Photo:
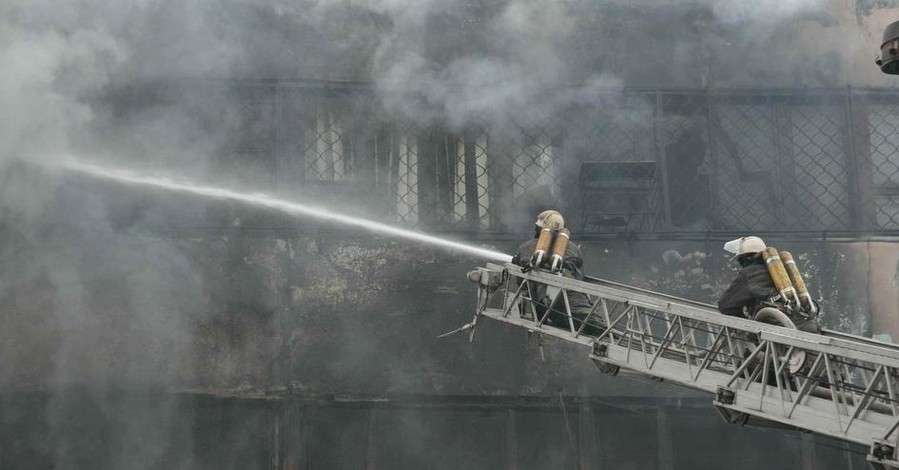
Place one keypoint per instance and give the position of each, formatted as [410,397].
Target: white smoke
[764,11]
[45,75]
[507,58]
[111,308]
[519,65]
[449,61]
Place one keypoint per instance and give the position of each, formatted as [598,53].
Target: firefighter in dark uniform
[572,266]
[753,284]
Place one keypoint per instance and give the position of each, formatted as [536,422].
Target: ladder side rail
[850,397]
[705,312]
[850,340]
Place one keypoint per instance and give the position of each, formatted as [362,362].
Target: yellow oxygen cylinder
[544,242]
[805,299]
[779,275]
[560,245]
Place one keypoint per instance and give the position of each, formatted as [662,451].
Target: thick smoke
[89,305]
[131,84]
[61,63]
[513,61]
[462,61]
[97,303]
[764,11]
[102,78]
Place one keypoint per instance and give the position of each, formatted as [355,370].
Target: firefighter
[553,220]
[572,267]
[752,285]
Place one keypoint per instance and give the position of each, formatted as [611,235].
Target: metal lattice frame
[717,161]
[835,384]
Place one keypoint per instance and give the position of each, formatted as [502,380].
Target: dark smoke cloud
[68,67]
[431,60]
[511,60]
[138,83]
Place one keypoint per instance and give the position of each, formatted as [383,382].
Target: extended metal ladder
[836,384]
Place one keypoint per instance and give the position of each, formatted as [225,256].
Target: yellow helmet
[745,246]
[552,219]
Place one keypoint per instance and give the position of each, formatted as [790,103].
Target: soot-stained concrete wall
[332,311]
[360,314]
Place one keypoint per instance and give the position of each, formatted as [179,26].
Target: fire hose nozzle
[489,280]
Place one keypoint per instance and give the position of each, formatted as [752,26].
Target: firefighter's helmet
[551,219]
[745,246]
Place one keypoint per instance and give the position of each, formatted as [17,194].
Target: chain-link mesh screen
[610,147]
[820,188]
[749,190]
[623,161]
[683,128]
[467,164]
[876,141]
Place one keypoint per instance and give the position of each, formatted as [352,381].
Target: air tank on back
[779,276]
[544,243]
[805,299]
[560,245]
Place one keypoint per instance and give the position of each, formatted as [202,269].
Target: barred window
[471,196]
[406,157]
[534,171]
[884,146]
[689,161]
[746,143]
[328,153]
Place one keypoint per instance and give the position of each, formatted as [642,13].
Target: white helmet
[552,219]
[744,246]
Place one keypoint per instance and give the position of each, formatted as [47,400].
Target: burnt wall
[115,430]
[319,308]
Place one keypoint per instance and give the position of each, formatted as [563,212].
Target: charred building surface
[414,431]
[660,130]
[328,313]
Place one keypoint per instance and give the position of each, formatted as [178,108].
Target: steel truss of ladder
[836,384]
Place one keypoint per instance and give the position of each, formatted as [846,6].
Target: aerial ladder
[833,383]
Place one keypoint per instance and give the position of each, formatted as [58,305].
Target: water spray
[264,200]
